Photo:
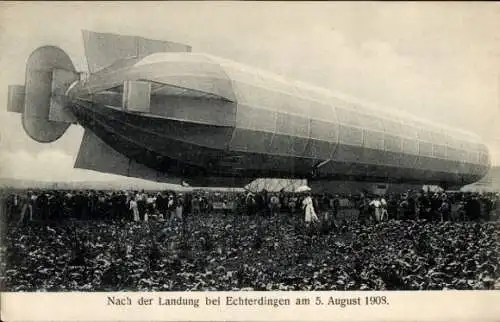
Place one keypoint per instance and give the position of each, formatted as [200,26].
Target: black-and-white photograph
[228,146]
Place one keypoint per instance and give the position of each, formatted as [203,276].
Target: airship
[157,110]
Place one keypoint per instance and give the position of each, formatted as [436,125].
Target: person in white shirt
[310,214]
[171,208]
[380,208]
[179,208]
[135,209]
[385,214]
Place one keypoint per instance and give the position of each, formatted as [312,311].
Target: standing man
[5,208]
[161,205]
[195,205]
[28,207]
[445,208]
[473,208]
[496,207]
[409,207]
[274,205]
[179,209]
[250,204]
[292,204]
[424,206]
[364,209]
[150,207]
[141,204]
[171,207]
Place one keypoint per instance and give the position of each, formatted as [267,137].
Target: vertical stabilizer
[103,49]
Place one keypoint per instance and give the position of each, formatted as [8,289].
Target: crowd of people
[171,206]
[200,240]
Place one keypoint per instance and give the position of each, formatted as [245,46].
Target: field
[224,253]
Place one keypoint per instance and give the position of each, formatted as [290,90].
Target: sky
[438,61]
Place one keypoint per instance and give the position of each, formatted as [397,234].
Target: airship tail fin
[41,101]
[104,49]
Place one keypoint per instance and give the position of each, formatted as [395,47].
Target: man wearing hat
[445,208]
